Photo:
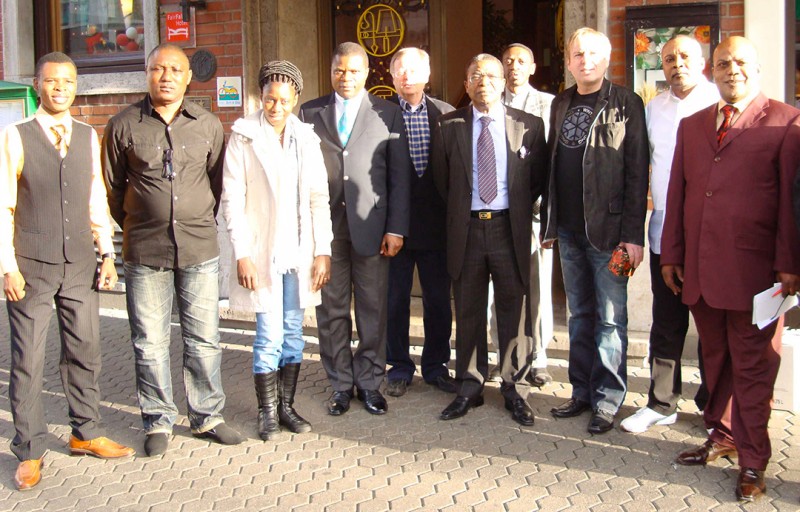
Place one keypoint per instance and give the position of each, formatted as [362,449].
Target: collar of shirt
[740,107]
[517,100]
[408,107]
[188,109]
[46,121]
[353,104]
[497,113]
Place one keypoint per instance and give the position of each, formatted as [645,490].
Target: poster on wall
[174,30]
[229,91]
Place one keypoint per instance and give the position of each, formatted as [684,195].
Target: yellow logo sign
[382,91]
[381,30]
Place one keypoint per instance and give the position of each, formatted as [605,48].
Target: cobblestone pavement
[405,460]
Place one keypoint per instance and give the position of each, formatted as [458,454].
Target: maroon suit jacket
[729,208]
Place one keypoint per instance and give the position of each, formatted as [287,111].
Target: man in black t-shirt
[596,199]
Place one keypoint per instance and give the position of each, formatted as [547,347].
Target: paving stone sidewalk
[406,460]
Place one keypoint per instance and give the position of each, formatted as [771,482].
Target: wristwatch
[110,255]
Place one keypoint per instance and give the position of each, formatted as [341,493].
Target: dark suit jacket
[729,208]
[427,228]
[527,170]
[369,180]
[615,168]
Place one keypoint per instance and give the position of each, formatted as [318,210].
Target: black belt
[487,214]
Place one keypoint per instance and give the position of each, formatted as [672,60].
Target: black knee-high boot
[286,389]
[267,393]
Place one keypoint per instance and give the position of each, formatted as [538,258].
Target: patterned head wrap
[280,71]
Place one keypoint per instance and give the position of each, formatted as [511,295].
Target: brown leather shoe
[706,452]
[750,484]
[100,447]
[29,473]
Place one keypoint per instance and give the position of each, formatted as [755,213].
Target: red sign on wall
[177,29]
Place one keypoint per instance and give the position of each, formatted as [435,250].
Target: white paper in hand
[770,304]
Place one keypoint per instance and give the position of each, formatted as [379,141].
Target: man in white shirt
[518,67]
[689,92]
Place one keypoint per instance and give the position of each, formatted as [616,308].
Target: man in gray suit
[364,144]
[490,164]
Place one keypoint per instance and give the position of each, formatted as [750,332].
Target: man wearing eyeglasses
[596,200]
[163,171]
[364,144]
[490,164]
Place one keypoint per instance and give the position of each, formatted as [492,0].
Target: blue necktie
[344,131]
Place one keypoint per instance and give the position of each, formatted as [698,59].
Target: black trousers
[71,285]
[667,338]
[490,253]
[366,279]
[436,314]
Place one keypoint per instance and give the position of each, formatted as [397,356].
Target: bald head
[736,69]
[683,63]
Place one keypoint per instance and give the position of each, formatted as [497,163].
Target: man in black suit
[425,244]
[490,163]
[364,145]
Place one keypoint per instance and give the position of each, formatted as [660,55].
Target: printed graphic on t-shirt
[576,125]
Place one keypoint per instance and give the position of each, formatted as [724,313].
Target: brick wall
[731,24]
[219,30]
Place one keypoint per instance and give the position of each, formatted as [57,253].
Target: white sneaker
[645,418]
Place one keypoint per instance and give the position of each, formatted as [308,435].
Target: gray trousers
[366,279]
[71,285]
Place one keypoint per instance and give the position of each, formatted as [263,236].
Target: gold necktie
[60,131]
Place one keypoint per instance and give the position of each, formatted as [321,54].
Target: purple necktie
[487,168]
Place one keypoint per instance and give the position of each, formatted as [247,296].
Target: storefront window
[97,34]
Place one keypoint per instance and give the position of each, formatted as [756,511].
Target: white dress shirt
[353,104]
[497,128]
[664,113]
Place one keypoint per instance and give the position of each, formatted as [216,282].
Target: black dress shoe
[460,406]
[570,408]
[706,452]
[396,387]
[339,402]
[601,422]
[520,411]
[373,400]
[445,383]
[750,484]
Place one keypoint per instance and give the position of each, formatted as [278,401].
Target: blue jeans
[149,292]
[279,332]
[598,323]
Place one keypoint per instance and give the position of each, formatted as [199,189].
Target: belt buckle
[485,215]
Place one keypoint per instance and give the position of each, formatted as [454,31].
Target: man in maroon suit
[729,234]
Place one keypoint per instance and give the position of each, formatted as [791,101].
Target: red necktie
[727,111]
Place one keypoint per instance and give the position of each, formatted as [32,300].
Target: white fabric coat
[249,206]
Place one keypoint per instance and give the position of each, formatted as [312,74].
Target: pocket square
[523,152]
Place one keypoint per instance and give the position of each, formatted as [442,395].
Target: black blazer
[527,172]
[427,228]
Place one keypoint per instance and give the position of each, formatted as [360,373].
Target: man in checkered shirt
[425,245]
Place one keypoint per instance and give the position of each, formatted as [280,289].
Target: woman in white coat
[275,202]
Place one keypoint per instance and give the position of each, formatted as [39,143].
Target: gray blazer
[369,179]
[527,171]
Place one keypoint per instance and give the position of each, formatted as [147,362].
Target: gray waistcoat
[51,221]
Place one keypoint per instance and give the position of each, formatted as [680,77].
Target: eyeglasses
[477,78]
[168,171]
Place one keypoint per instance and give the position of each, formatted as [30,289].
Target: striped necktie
[60,132]
[487,167]
[728,111]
